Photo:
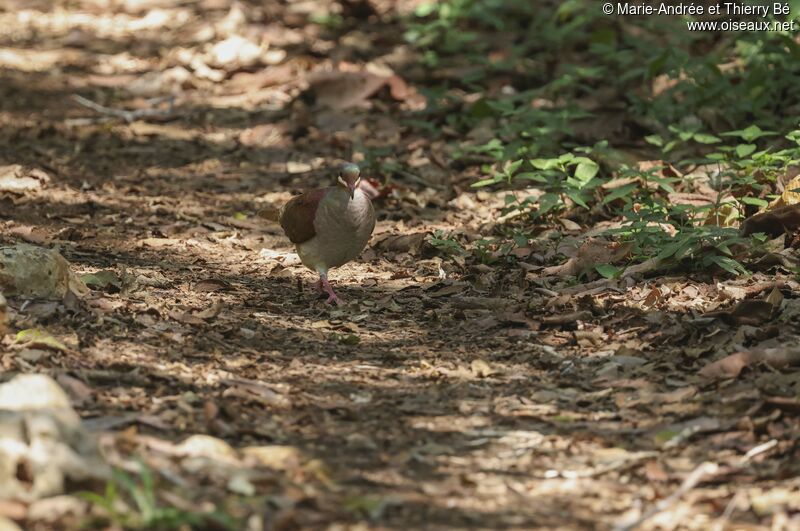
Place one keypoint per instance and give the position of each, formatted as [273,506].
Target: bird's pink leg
[332,297]
[318,286]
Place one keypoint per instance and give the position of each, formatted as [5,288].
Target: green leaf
[545,164]
[486,182]
[622,191]
[548,202]
[608,270]
[576,196]
[372,507]
[669,250]
[729,264]
[531,176]
[665,435]
[510,167]
[743,150]
[39,338]
[749,134]
[757,201]
[706,139]
[101,280]
[586,170]
[685,247]
[654,140]
[423,10]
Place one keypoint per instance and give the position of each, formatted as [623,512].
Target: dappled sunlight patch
[593,334]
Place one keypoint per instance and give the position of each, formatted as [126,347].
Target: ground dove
[330,226]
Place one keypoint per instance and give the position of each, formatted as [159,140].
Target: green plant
[446,244]
[566,176]
[539,77]
[146,512]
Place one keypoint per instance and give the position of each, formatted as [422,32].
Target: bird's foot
[332,297]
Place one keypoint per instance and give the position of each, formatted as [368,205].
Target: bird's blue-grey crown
[349,172]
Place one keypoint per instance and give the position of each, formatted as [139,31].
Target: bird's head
[349,176]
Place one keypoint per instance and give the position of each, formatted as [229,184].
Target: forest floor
[446,392]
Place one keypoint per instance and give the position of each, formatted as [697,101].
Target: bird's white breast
[343,228]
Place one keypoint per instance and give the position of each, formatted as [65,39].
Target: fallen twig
[703,472]
[128,116]
[696,476]
[614,466]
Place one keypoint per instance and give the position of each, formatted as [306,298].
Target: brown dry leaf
[343,90]
[79,392]
[402,91]
[654,296]
[265,136]
[775,297]
[691,199]
[30,234]
[481,369]
[447,290]
[637,269]
[210,312]
[150,84]
[594,251]
[251,389]
[206,446]
[619,182]
[234,53]
[790,195]
[569,224]
[663,83]
[402,243]
[727,367]
[185,317]
[659,168]
[746,312]
[785,219]
[274,456]
[247,81]
[727,214]
[173,132]
[567,318]
[212,284]
[731,366]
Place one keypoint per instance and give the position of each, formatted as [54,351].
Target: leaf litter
[540,387]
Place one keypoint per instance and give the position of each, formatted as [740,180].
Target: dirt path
[446,393]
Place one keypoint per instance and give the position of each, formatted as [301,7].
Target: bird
[330,226]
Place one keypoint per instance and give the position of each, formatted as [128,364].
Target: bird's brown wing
[297,218]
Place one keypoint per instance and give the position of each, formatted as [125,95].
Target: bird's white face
[349,179]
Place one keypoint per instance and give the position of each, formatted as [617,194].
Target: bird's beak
[352,190]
